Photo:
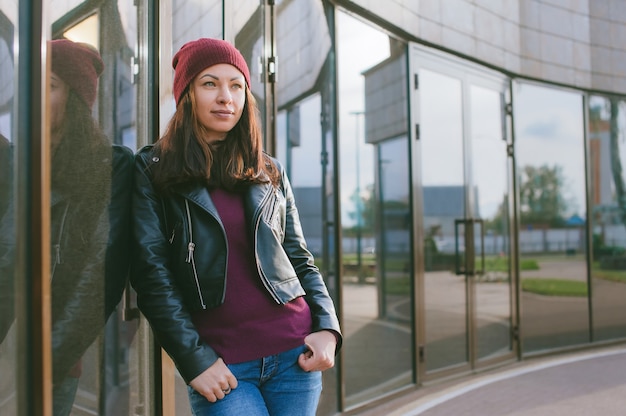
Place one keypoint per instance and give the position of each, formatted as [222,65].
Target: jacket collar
[199,195]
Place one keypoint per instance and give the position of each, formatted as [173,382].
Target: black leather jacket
[182,255]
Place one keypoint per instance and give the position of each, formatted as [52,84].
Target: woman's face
[59,91]
[219,94]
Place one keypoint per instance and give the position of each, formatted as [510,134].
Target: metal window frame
[32,199]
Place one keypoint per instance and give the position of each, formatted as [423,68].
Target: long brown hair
[185,157]
[81,150]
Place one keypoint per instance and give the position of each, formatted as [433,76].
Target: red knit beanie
[195,56]
[79,65]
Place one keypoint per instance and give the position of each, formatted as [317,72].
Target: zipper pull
[190,248]
[57,249]
[171,240]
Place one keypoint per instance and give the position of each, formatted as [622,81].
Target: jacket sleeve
[81,306]
[158,297]
[317,296]
[7,238]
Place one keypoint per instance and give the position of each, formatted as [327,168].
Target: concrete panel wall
[574,42]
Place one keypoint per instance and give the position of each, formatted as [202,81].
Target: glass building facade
[458,168]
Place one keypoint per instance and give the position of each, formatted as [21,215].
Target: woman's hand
[215,382]
[321,353]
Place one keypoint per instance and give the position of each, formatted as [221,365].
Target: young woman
[223,273]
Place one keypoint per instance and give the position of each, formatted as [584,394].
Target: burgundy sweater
[249,324]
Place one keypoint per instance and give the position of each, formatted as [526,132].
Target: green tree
[364,212]
[541,200]
[499,223]
[616,161]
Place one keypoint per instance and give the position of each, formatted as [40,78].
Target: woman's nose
[224,95]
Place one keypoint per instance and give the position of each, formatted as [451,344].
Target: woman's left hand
[321,353]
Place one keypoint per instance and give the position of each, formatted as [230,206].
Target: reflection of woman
[6,176]
[90,210]
[7,237]
[223,273]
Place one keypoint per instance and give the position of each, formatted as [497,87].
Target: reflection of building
[310,211]
[443,205]
[385,96]
[606,211]
[600,162]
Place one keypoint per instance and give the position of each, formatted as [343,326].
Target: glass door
[462,180]
[445,342]
[490,163]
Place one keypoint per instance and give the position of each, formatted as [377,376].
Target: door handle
[481,224]
[459,264]
[465,260]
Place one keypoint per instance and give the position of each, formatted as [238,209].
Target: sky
[359,47]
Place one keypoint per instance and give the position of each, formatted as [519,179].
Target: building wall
[583,50]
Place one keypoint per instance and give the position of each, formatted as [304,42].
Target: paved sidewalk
[586,383]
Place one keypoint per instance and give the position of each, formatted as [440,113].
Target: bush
[613,263]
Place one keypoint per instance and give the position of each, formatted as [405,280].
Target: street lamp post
[359,250]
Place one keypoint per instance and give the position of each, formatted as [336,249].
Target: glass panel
[550,161]
[248,27]
[300,130]
[607,157]
[90,205]
[443,182]
[8,340]
[377,307]
[390,214]
[490,177]
[304,139]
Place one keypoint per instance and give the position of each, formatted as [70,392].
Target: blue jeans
[63,396]
[274,385]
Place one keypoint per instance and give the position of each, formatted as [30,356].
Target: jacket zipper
[57,246]
[190,249]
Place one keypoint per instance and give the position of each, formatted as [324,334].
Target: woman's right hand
[215,382]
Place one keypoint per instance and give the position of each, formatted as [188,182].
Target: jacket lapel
[199,195]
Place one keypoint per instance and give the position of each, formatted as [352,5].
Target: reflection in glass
[90,213]
[490,178]
[8,341]
[444,196]
[550,161]
[300,128]
[90,208]
[304,139]
[607,160]
[376,281]
[248,21]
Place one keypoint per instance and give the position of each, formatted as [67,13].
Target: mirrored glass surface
[444,194]
[91,106]
[304,139]
[549,150]
[376,261]
[490,176]
[607,157]
[8,340]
